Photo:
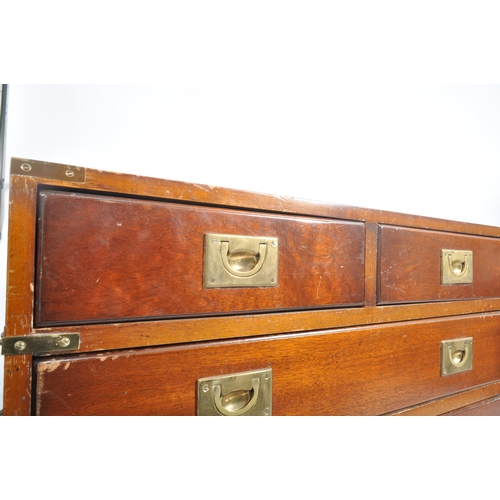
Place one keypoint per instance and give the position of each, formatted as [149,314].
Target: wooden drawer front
[487,408]
[104,258]
[410,266]
[358,371]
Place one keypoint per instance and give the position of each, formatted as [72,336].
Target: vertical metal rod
[3,126]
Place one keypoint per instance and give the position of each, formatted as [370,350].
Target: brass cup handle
[242,263]
[236,402]
[458,265]
[458,357]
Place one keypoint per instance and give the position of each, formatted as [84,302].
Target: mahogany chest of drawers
[128,295]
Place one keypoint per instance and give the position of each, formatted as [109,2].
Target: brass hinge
[40,344]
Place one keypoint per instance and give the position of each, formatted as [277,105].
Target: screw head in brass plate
[20,345]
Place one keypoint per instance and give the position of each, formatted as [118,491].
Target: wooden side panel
[107,259]
[20,287]
[410,266]
[359,371]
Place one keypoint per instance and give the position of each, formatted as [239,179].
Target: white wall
[428,150]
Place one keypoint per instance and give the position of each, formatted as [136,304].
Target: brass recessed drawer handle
[245,394]
[456,355]
[242,263]
[459,265]
[236,402]
[456,266]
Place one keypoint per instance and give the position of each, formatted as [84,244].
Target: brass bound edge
[44,170]
[40,344]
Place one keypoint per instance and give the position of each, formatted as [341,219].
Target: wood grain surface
[20,292]
[486,408]
[354,327]
[108,259]
[452,403]
[410,265]
[358,371]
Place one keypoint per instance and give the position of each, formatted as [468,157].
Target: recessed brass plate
[40,169]
[456,356]
[456,266]
[40,344]
[240,261]
[238,394]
